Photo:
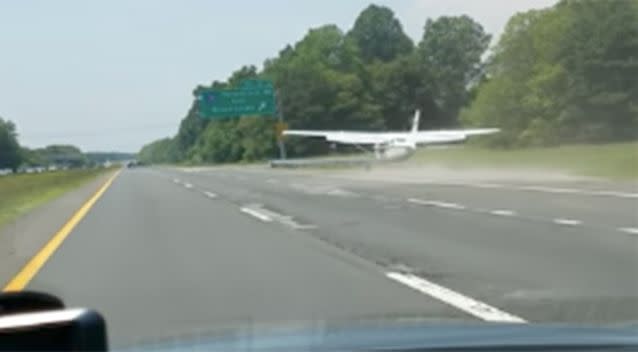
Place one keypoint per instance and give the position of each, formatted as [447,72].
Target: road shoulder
[21,239]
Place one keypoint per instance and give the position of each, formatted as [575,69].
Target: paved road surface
[165,251]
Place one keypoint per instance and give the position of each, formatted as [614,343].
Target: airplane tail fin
[415,121]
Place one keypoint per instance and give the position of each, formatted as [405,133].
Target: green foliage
[33,157]
[368,79]
[451,48]
[102,157]
[379,35]
[161,151]
[565,74]
[10,152]
[400,87]
[65,155]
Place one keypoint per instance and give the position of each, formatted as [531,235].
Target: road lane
[539,270]
[602,204]
[159,258]
[599,211]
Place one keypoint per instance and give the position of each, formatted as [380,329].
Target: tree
[400,87]
[599,53]
[379,35]
[10,152]
[501,100]
[190,129]
[33,157]
[160,151]
[321,84]
[564,74]
[452,48]
[61,154]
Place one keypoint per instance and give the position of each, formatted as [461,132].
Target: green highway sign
[254,97]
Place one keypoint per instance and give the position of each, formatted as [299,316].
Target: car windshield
[192,166]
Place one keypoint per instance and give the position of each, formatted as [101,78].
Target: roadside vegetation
[15,158]
[557,76]
[613,161]
[20,193]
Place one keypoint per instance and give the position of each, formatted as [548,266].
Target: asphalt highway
[169,251]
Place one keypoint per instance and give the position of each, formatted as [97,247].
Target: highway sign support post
[280,128]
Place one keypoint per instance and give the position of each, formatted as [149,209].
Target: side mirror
[31,321]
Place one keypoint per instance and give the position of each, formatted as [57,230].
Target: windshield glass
[192,166]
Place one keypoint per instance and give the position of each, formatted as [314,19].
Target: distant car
[134,163]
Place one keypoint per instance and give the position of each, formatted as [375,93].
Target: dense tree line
[14,156]
[102,157]
[565,73]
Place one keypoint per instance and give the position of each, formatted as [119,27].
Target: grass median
[23,192]
[613,161]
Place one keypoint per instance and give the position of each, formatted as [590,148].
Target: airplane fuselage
[399,148]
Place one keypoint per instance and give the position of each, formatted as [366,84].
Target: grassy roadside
[21,193]
[615,161]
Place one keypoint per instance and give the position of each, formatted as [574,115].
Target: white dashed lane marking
[568,222]
[436,203]
[503,212]
[540,188]
[188,185]
[256,214]
[176,180]
[510,213]
[267,215]
[210,194]
[467,304]
[578,191]
[450,205]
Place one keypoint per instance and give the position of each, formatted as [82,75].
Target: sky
[114,75]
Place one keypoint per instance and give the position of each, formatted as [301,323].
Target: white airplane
[394,145]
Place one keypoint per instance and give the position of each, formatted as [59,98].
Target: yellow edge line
[22,279]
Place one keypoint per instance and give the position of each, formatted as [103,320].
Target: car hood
[404,336]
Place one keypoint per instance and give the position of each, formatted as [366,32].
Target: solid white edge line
[467,304]
[569,222]
[256,214]
[629,230]
[503,212]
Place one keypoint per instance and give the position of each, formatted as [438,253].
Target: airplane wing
[417,137]
[344,137]
[448,136]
